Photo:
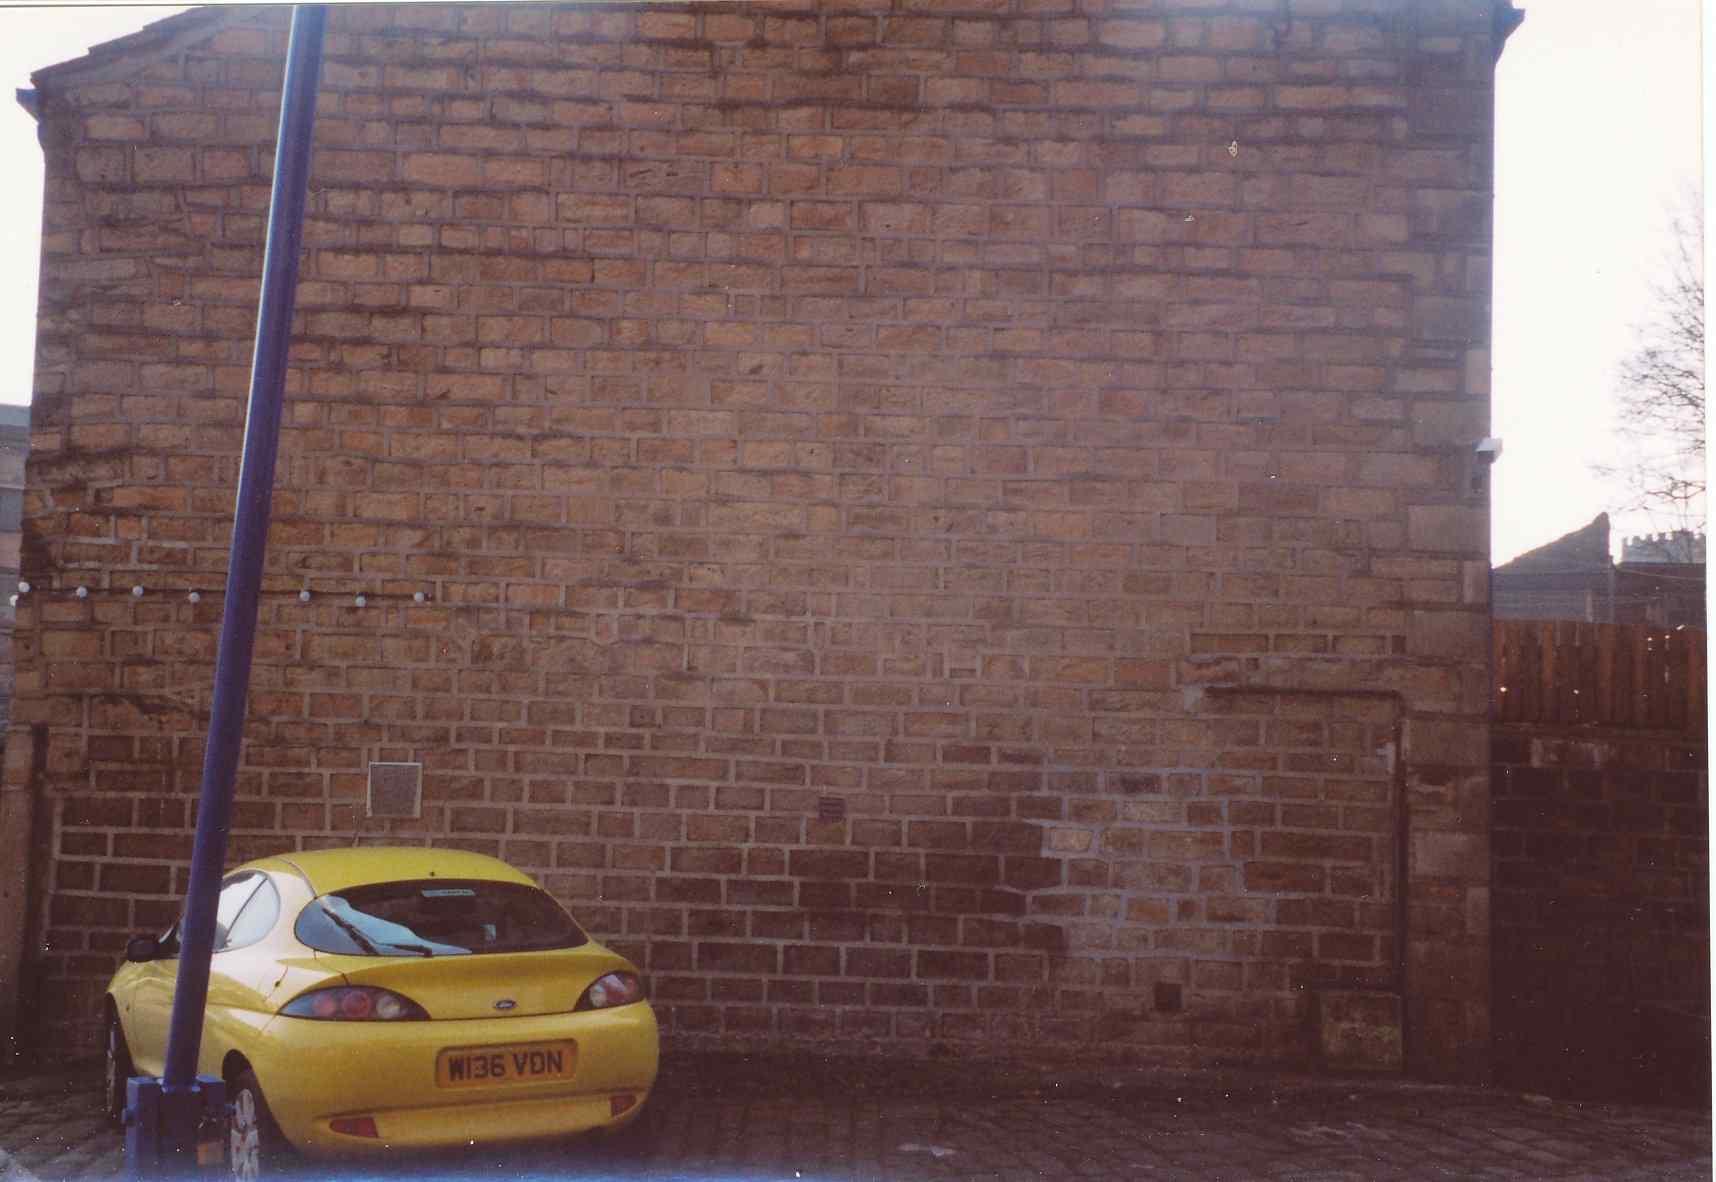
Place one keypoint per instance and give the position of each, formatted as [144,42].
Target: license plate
[469,1067]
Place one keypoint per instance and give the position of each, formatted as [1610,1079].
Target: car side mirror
[141,948]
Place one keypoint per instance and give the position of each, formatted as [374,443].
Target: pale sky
[1598,132]
[1597,136]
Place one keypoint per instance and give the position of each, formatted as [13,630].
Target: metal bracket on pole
[168,1120]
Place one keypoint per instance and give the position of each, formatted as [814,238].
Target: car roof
[339,869]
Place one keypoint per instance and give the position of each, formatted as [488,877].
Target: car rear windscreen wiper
[422,949]
[350,929]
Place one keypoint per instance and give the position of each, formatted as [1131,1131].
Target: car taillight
[355,1003]
[612,989]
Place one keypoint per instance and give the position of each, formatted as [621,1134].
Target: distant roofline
[1594,533]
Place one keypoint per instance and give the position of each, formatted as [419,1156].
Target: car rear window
[436,917]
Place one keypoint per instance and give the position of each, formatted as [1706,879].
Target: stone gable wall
[839,447]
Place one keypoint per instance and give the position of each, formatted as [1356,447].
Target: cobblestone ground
[725,1117]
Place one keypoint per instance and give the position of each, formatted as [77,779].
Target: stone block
[1451,528]
[1449,636]
[1451,855]
[1447,742]
[1360,1031]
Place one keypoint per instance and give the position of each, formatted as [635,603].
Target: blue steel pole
[249,540]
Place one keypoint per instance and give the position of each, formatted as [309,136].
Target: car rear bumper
[315,1073]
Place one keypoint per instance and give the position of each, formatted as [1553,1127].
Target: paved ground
[730,1117]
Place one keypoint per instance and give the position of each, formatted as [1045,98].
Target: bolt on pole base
[175,1132]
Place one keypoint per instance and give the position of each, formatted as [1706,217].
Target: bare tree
[1660,402]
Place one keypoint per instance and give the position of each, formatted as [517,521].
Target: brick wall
[838,447]
[1601,910]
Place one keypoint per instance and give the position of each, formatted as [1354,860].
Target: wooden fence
[1637,676]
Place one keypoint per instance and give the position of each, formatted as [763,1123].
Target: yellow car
[363,1000]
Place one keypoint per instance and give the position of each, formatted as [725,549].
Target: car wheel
[255,1148]
[119,1069]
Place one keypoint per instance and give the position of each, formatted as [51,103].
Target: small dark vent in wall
[831,808]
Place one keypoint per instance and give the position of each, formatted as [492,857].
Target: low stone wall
[1601,940]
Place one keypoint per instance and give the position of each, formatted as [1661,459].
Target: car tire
[255,1148]
[118,1070]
